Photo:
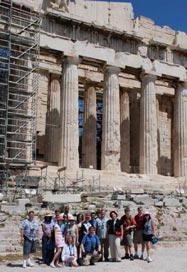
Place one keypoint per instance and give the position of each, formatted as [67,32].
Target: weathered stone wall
[165,130]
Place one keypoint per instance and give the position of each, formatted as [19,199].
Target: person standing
[59,242]
[114,231]
[129,224]
[72,229]
[29,235]
[138,233]
[101,231]
[47,239]
[148,233]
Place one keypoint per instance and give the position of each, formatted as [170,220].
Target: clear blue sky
[172,13]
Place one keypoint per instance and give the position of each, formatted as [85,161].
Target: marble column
[180,131]
[53,120]
[89,129]
[69,136]
[125,132]
[110,157]
[148,126]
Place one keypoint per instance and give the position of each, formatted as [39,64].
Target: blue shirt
[30,229]
[101,227]
[90,243]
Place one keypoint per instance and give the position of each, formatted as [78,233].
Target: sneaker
[24,265]
[30,264]
[58,265]
[52,265]
[141,257]
[136,256]
[149,259]
[131,258]
[125,257]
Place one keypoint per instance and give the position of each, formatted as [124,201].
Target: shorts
[138,237]
[127,240]
[147,237]
[29,246]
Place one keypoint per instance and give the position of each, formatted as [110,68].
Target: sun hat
[146,213]
[71,217]
[48,215]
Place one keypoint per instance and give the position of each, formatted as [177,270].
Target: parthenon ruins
[84,84]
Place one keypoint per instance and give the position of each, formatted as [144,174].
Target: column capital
[112,69]
[146,77]
[71,59]
[182,84]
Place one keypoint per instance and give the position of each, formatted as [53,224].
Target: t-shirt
[126,222]
[90,242]
[30,229]
[139,221]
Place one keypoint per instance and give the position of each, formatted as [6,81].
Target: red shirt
[139,221]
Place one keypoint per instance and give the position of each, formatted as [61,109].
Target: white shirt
[69,250]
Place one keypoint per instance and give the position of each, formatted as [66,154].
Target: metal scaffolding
[19,63]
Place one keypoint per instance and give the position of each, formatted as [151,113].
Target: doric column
[125,132]
[68,154]
[180,131]
[148,126]
[110,158]
[89,129]
[53,120]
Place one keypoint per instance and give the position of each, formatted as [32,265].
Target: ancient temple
[112,89]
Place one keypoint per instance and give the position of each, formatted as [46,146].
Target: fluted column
[125,132]
[89,129]
[68,153]
[148,126]
[180,131]
[110,158]
[53,120]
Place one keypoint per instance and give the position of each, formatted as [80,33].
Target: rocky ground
[170,257]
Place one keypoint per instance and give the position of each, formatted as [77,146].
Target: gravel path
[172,258]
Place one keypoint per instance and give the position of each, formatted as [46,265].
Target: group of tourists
[88,238]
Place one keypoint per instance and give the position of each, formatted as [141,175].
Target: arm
[122,231]
[82,245]
[133,223]
[45,232]
[153,227]
[77,236]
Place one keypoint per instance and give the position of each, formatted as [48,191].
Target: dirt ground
[166,258]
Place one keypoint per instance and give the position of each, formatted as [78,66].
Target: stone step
[10,249]
[7,235]
[10,242]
